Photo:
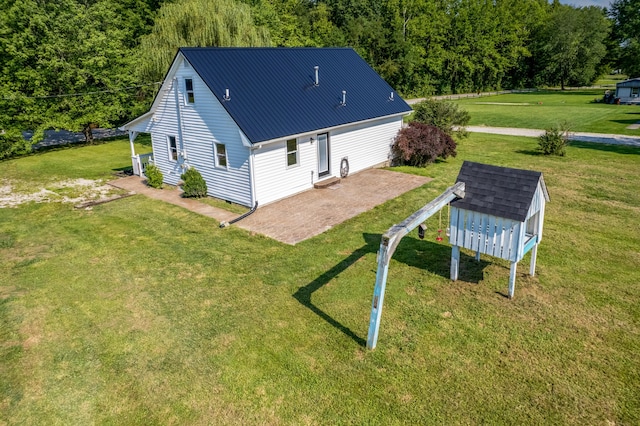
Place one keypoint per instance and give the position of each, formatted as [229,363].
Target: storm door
[323,155]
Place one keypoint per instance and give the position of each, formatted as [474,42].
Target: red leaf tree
[419,144]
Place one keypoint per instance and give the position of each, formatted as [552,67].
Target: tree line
[73,64]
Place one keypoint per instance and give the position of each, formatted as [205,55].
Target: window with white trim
[188,86]
[292,152]
[221,155]
[172,145]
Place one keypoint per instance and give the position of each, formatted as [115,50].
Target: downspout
[179,119]
[239,218]
[252,175]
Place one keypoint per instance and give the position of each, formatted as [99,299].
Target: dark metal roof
[633,82]
[272,90]
[498,191]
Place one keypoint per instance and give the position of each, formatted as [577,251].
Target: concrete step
[326,182]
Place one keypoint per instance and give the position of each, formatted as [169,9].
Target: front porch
[139,162]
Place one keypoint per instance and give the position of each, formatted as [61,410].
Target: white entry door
[323,155]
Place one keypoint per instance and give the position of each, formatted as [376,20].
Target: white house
[261,124]
[628,91]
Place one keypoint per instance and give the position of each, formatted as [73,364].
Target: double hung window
[292,152]
[173,148]
[188,85]
[221,155]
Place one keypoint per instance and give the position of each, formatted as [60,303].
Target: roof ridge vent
[317,80]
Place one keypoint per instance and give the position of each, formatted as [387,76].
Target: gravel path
[575,136]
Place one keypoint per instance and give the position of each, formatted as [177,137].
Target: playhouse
[493,210]
[501,214]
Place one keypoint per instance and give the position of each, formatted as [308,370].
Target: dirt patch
[74,191]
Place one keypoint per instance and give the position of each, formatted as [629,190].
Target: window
[173,148]
[221,155]
[292,152]
[188,84]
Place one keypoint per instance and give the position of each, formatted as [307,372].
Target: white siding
[365,145]
[274,180]
[538,204]
[198,127]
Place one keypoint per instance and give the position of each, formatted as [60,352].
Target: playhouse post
[455,262]
[534,255]
[512,279]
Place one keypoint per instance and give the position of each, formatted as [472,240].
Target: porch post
[135,160]
[132,137]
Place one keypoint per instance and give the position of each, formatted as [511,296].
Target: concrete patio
[302,216]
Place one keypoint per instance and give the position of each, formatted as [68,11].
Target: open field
[544,109]
[139,312]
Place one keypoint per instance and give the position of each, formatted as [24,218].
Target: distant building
[628,91]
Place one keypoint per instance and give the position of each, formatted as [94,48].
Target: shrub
[154,176]
[194,185]
[553,141]
[419,144]
[446,116]
[12,143]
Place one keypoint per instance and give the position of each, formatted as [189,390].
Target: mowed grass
[139,312]
[545,109]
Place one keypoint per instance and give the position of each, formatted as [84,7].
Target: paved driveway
[307,214]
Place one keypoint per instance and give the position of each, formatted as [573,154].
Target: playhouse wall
[538,204]
[496,236]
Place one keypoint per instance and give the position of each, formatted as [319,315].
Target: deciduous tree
[196,23]
[626,34]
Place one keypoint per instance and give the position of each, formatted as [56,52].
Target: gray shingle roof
[498,191]
[273,94]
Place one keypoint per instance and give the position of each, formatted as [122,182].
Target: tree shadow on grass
[618,149]
[528,152]
[427,255]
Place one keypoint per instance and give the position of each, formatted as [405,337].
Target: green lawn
[544,109]
[139,312]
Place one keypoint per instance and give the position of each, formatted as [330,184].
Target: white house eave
[146,116]
[258,145]
[166,86]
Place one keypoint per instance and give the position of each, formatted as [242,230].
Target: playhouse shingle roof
[272,91]
[498,191]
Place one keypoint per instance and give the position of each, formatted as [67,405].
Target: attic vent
[227,96]
[344,98]
[317,81]
[391,97]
